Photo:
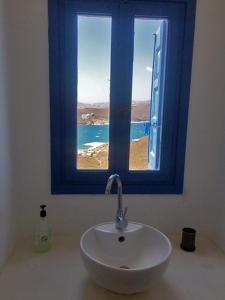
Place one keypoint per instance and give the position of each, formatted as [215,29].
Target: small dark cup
[188,239]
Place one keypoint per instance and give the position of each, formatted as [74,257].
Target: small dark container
[188,239]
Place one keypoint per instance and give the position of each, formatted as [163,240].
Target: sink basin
[125,262]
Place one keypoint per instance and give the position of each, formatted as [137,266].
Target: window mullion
[121,90]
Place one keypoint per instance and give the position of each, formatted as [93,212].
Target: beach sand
[97,158]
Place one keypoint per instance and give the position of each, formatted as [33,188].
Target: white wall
[219,218]
[200,203]
[209,67]
[213,87]
[7,237]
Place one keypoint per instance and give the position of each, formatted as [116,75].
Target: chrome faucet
[120,220]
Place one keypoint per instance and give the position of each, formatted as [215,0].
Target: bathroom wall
[216,69]
[7,237]
[220,227]
[219,222]
[212,89]
[201,201]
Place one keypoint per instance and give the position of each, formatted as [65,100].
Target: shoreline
[97,157]
[95,145]
[107,123]
[99,135]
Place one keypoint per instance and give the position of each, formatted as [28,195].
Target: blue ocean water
[100,133]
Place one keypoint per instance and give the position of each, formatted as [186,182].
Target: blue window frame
[168,179]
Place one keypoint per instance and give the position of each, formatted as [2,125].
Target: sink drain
[124,267]
[121,239]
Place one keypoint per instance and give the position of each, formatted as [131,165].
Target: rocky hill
[98,113]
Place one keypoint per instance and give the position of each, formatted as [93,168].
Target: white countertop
[60,275]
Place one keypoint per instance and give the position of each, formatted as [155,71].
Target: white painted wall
[7,237]
[201,201]
[219,218]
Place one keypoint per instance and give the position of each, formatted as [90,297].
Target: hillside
[97,113]
[97,158]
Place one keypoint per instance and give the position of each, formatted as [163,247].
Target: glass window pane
[145,128]
[94,51]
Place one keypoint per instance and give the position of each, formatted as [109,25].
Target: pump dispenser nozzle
[43,211]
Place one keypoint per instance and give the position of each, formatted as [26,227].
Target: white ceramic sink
[125,262]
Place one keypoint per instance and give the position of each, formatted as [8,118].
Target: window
[93,91]
[119,90]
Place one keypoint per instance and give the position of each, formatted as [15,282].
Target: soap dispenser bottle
[42,240]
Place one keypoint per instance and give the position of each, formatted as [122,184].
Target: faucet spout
[120,220]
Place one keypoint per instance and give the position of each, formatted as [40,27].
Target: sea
[91,136]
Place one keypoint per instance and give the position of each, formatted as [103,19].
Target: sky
[94,51]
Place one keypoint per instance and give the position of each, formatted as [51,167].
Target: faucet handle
[125,211]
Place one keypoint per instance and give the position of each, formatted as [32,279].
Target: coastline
[96,157]
[98,123]
[90,136]
[93,142]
